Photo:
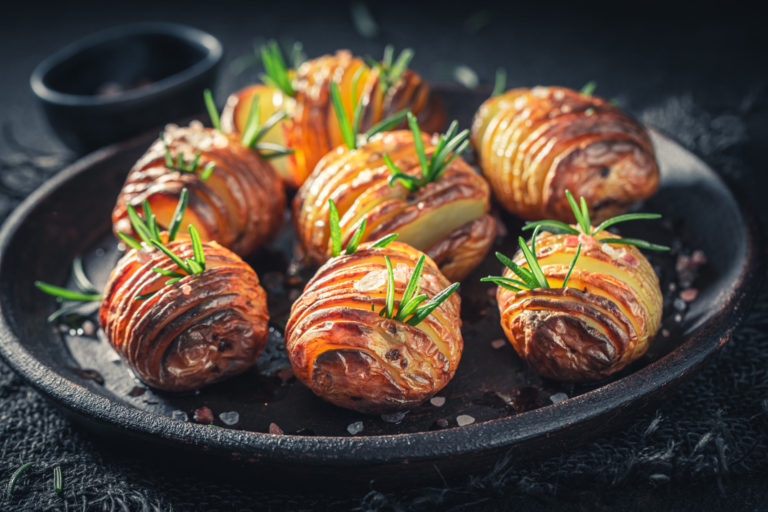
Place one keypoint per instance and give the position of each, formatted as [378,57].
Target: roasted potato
[533,144]
[348,354]
[448,218]
[240,205]
[202,329]
[600,322]
[312,129]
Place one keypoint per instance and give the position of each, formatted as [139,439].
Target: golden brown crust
[313,130]
[533,144]
[601,322]
[203,329]
[351,356]
[240,205]
[448,219]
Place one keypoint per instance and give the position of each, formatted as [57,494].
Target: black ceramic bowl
[125,80]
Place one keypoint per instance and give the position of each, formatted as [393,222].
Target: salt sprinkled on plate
[179,415]
[464,419]
[558,397]
[437,401]
[355,428]
[275,429]
[394,417]
[373,280]
[229,417]
[497,344]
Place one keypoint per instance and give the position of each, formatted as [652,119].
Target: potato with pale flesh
[240,204]
[448,218]
[348,353]
[533,144]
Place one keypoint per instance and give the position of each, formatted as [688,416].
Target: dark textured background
[698,75]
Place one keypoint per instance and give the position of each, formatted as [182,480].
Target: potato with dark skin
[447,219]
[603,320]
[312,129]
[533,144]
[240,205]
[203,329]
[348,354]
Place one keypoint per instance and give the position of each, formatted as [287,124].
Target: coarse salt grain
[497,344]
[558,397]
[275,429]
[437,401]
[179,415]
[229,417]
[689,295]
[464,419]
[355,428]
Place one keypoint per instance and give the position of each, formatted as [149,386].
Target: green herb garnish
[412,304]
[276,72]
[181,165]
[391,68]
[449,146]
[15,477]
[85,293]
[528,278]
[58,480]
[335,229]
[584,223]
[589,88]
[499,82]
[351,128]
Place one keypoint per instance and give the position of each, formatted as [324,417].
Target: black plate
[513,408]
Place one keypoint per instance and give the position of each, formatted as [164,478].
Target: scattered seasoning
[394,417]
[229,417]
[58,480]
[558,397]
[203,415]
[498,343]
[275,429]
[89,328]
[355,428]
[439,424]
[437,401]
[137,391]
[464,419]
[689,295]
[90,374]
[679,305]
[466,76]
[179,415]
[15,477]
[665,333]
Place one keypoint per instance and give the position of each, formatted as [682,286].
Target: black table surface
[699,75]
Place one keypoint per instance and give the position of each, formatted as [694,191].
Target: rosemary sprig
[589,88]
[357,236]
[58,480]
[529,278]
[276,72]
[584,223]
[181,165]
[15,477]
[350,129]
[85,293]
[253,133]
[391,69]
[449,146]
[66,294]
[412,304]
[499,82]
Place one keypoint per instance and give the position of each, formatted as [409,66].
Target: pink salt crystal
[689,295]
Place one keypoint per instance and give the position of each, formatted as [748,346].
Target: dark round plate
[512,408]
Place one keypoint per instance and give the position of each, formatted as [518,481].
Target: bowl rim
[340,451]
[188,35]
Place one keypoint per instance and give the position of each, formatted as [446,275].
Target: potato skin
[534,144]
[357,181]
[240,205]
[201,330]
[313,130]
[350,356]
[601,322]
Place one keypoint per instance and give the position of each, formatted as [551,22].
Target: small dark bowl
[123,81]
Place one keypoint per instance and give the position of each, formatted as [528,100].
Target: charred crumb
[90,374]
[137,391]
[203,415]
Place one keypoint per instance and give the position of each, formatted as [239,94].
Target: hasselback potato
[347,353]
[312,129]
[239,204]
[533,144]
[446,218]
[203,328]
[594,307]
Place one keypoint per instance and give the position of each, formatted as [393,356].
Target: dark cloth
[700,78]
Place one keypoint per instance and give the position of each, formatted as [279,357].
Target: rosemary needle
[15,477]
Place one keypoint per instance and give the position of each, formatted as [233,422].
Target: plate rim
[486,436]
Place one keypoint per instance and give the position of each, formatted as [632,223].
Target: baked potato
[533,144]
